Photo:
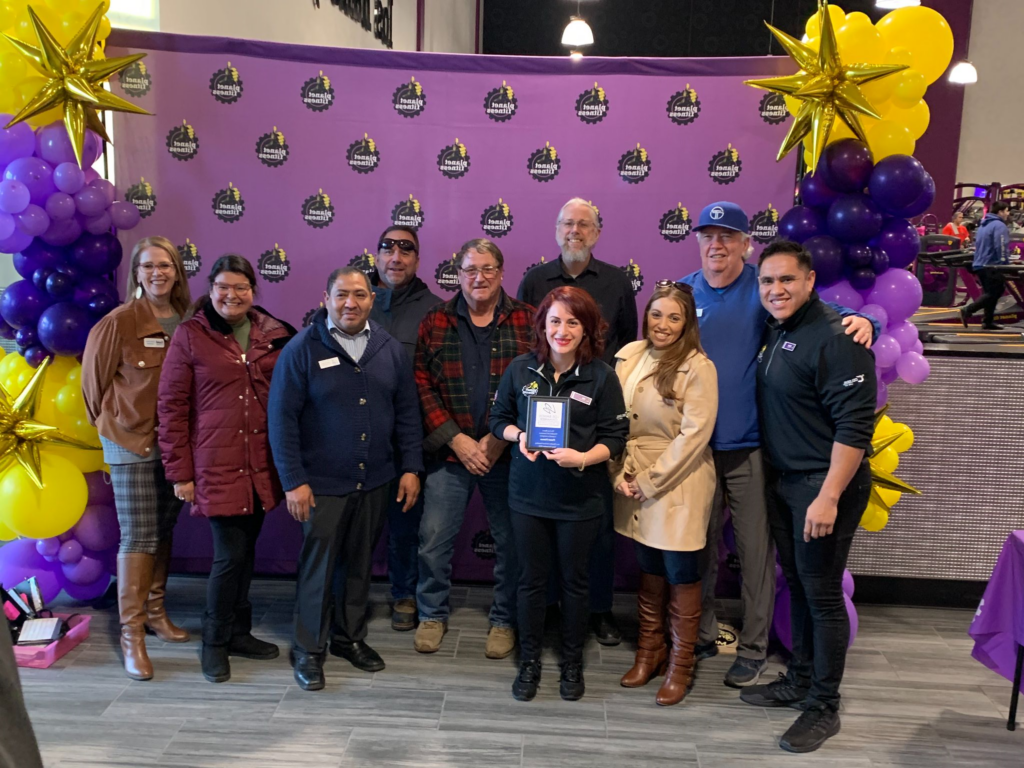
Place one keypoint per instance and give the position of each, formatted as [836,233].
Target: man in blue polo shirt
[732,321]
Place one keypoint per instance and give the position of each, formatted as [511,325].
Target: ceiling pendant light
[577,32]
[964,73]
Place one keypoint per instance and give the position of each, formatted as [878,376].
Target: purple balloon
[896,182]
[14,196]
[889,375]
[62,232]
[827,254]
[923,203]
[97,225]
[100,489]
[900,241]
[91,175]
[68,178]
[862,279]
[64,328]
[70,552]
[8,224]
[19,560]
[16,141]
[86,593]
[71,271]
[100,304]
[36,256]
[815,192]
[17,242]
[66,536]
[22,304]
[109,193]
[26,337]
[899,292]
[854,218]
[918,347]
[90,201]
[48,547]
[60,206]
[60,286]
[879,260]
[86,571]
[6,331]
[858,255]
[906,335]
[848,583]
[913,367]
[97,253]
[54,146]
[35,355]
[878,313]
[801,223]
[33,220]
[843,294]
[881,394]
[782,621]
[887,351]
[97,529]
[845,165]
[36,174]
[90,286]
[124,215]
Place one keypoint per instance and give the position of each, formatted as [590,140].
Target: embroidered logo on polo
[500,104]
[760,353]
[676,224]
[684,106]
[789,346]
[772,108]
[544,163]
[447,275]
[408,213]
[307,318]
[365,261]
[764,225]
[182,142]
[453,160]
[135,80]
[725,166]
[592,105]
[362,155]
[636,277]
[142,196]
[273,265]
[228,205]
[496,220]
[317,210]
[635,165]
[859,379]
[409,99]
[317,93]
[190,258]
[484,546]
[226,85]
[531,389]
[272,149]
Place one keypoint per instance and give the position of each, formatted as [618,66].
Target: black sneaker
[248,647]
[703,651]
[606,631]
[812,729]
[745,672]
[991,327]
[963,315]
[781,692]
[525,686]
[570,686]
[214,662]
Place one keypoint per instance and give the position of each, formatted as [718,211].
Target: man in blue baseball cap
[732,320]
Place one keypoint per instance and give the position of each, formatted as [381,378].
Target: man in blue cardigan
[341,405]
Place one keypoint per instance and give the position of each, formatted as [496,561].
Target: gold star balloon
[880,478]
[21,435]
[826,87]
[73,81]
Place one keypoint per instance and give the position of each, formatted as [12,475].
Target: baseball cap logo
[717,213]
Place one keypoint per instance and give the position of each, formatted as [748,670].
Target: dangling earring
[138,292]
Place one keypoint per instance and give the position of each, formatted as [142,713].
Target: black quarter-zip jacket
[815,386]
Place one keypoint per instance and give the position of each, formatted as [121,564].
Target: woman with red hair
[559,496]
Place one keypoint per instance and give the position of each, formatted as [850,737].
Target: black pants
[814,572]
[993,283]
[228,610]
[541,541]
[334,567]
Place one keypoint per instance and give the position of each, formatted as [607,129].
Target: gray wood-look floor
[912,696]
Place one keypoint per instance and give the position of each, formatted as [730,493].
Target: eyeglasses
[488,271]
[222,289]
[164,266]
[405,246]
[673,284]
[582,226]
[723,237]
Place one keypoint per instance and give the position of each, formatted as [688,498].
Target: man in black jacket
[816,394]
[402,299]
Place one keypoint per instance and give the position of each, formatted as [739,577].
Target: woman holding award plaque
[665,482]
[564,408]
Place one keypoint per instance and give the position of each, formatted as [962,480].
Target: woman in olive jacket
[665,482]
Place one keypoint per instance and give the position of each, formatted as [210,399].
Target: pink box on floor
[43,656]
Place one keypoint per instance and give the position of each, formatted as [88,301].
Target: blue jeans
[676,567]
[447,491]
[403,545]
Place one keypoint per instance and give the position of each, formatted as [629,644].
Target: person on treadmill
[991,250]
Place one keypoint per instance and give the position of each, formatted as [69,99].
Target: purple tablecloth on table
[998,625]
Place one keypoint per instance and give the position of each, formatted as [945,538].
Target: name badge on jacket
[700,311]
[581,398]
[329,363]
[157,343]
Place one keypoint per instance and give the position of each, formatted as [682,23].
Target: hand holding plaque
[547,423]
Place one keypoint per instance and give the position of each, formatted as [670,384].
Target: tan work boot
[429,635]
[157,619]
[134,577]
[501,641]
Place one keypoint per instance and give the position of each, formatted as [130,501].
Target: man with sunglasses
[401,299]
[732,321]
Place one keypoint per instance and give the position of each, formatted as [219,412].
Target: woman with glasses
[665,482]
[213,437]
[120,373]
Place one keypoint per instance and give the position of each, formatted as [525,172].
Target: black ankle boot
[571,686]
[214,654]
[525,686]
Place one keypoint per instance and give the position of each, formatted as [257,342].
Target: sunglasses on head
[405,246]
[673,284]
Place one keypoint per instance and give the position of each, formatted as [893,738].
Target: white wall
[993,108]
[450,26]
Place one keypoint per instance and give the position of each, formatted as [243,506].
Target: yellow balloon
[792,105]
[70,23]
[30,86]
[856,18]
[63,6]
[860,43]
[886,460]
[6,534]
[104,31]
[813,29]
[915,119]
[889,497]
[910,88]
[840,131]
[906,441]
[83,460]
[8,16]
[886,426]
[60,367]
[69,401]
[925,33]
[889,138]
[874,518]
[74,376]
[45,118]
[40,514]
[12,66]
[900,55]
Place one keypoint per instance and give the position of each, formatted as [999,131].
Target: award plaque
[547,423]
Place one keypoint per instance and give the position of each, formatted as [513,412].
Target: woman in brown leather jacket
[120,374]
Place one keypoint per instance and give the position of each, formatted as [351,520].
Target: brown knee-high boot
[156,614]
[651,651]
[684,622]
[134,577]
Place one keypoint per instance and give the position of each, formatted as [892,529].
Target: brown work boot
[684,622]
[157,620]
[651,651]
[501,641]
[134,577]
[429,635]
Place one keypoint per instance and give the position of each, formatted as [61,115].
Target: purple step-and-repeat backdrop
[297,157]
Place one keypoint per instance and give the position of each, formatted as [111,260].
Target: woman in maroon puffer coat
[213,439]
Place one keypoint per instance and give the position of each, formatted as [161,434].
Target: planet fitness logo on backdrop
[142,196]
[365,261]
[684,106]
[136,80]
[636,277]
[484,546]
[725,166]
[635,165]
[307,318]
[317,93]
[362,155]
[409,99]
[676,225]
[317,210]
[496,220]
[544,164]
[535,264]
[500,104]
[408,213]
[226,85]
[190,258]
[272,149]
[447,274]
[453,160]
[273,265]
[228,205]
[764,225]
[592,105]
[773,108]
[182,142]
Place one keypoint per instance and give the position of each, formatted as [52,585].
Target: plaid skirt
[147,509]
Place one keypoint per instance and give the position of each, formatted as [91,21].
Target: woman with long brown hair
[665,482]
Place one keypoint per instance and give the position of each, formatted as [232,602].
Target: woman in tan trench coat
[665,482]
